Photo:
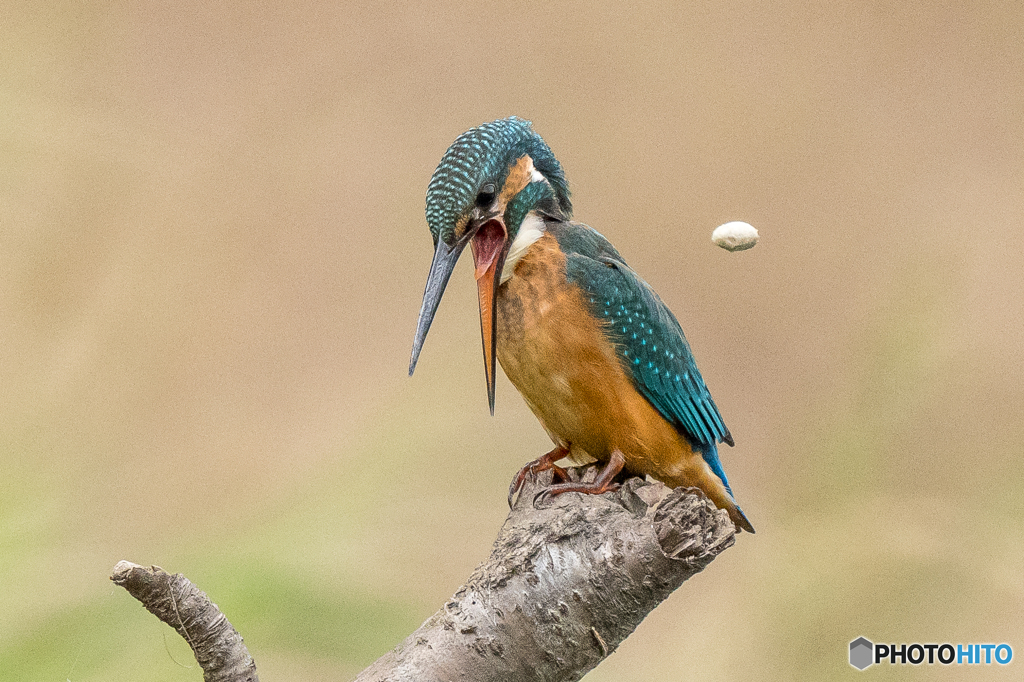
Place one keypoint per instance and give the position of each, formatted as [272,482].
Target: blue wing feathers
[649,340]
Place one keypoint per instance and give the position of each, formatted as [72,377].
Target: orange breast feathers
[558,357]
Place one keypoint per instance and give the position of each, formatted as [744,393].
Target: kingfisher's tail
[724,499]
[739,518]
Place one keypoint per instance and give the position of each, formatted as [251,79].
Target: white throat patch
[530,231]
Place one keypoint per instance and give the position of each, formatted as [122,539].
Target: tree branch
[173,599]
[568,579]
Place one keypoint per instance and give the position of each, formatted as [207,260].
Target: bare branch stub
[217,646]
[567,581]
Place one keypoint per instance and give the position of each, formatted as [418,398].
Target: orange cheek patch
[519,176]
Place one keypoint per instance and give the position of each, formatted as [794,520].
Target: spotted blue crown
[483,155]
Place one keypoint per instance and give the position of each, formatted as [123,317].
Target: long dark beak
[441,268]
[490,248]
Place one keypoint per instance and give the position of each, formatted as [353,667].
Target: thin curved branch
[176,601]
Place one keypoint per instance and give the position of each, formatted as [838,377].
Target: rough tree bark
[568,579]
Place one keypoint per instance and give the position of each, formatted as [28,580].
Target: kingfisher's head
[488,182]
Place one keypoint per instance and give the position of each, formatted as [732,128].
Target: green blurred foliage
[212,252]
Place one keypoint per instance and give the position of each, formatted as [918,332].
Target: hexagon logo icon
[861,653]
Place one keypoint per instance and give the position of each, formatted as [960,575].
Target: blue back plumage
[648,340]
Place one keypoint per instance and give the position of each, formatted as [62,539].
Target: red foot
[542,463]
[603,482]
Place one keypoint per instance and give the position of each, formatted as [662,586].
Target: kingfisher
[597,356]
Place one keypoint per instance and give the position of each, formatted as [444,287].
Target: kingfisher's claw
[585,488]
[602,484]
[538,465]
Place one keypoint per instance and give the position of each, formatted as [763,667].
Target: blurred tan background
[212,253]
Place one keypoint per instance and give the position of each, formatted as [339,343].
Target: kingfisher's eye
[486,195]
